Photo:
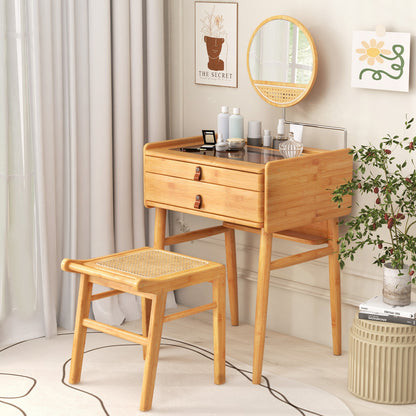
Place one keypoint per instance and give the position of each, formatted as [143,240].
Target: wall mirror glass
[282,61]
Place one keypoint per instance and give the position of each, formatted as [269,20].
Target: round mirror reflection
[282,61]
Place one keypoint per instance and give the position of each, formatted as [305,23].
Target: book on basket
[376,305]
[383,317]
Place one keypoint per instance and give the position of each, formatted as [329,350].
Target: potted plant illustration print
[213,29]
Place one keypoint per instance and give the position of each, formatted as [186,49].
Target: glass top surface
[248,154]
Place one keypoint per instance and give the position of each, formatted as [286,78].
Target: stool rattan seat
[151,274]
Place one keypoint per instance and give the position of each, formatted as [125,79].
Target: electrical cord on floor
[275,393]
[166,342]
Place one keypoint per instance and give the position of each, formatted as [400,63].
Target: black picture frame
[209,137]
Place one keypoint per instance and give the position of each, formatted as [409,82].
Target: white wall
[299,296]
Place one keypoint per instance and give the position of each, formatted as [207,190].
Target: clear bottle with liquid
[280,137]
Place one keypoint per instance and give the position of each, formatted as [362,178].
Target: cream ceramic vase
[396,286]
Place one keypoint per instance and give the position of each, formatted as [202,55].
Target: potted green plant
[385,179]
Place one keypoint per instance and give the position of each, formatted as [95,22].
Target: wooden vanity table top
[247,159]
[254,187]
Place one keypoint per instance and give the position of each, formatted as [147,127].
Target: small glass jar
[277,141]
[290,148]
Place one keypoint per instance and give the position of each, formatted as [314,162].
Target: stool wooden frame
[154,290]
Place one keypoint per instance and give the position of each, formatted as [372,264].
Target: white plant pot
[396,286]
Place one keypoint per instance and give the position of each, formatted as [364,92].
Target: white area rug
[33,382]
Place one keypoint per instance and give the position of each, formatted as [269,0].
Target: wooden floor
[290,357]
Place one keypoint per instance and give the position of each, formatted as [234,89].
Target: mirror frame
[311,82]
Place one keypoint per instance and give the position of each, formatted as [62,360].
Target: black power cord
[166,342]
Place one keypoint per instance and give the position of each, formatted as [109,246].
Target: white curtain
[89,94]
[18,277]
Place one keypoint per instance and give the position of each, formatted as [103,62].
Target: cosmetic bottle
[254,133]
[297,131]
[221,144]
[236,125]
[223,121]
[280,134]
[290,148]
[267,139]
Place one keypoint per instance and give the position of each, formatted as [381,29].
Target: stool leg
[152,353]
[232,274]
[80,333]
[159,243]
[218,295]
[146,308]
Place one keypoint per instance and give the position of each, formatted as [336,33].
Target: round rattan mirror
[282,61]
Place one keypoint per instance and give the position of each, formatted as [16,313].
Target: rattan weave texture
[151,263]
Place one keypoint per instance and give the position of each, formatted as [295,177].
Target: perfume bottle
[290,148]
[280,138]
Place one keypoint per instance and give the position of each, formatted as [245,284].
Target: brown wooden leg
[218,296]
[232,274]
[335,286]
[160,228]
[263,280]
[159,243]
[146,308]
[152,356]
[80,333]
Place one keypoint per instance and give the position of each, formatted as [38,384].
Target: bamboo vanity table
[253,190]
[256,190]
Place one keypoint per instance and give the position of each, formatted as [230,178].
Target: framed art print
[216,43]
[380,62]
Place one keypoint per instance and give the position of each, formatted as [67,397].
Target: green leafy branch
[388,223]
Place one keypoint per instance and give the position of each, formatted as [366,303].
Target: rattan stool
[150,274]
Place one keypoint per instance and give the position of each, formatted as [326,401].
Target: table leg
[263,280]
[335,286]
[160,228]
[218,325]
[232,274]
[159,242]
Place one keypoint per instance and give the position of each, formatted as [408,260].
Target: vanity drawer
[208,174]
[215,200]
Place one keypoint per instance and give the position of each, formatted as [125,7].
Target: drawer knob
[198,171]
[198,201]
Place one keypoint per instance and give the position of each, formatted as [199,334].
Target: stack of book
[375,309]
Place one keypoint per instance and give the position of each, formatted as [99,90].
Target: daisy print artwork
[380,62]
